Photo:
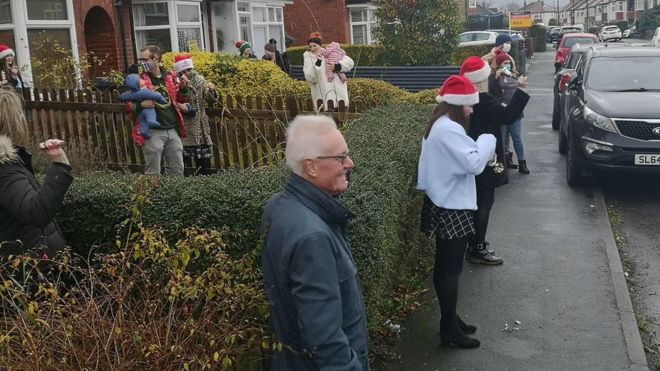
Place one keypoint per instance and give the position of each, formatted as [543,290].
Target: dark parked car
[561,82]
[552,31]
[613,123]
[555,37]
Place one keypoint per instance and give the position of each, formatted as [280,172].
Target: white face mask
[506,47]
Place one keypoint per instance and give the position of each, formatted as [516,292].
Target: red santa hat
[475,69]
[459,91]
[5,51]
[182,62]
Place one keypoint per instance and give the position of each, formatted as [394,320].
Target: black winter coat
[26,208]
[487,117]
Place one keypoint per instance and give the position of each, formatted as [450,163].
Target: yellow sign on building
[520,20]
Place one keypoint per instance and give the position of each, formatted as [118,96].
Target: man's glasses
[341,158]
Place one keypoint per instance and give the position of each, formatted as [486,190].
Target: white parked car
[477,38]
[655,40]
[626,33]
[610,33]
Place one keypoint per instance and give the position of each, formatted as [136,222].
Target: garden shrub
[385,144]
[243,77]
[149,304]
[538,35]
[254,78]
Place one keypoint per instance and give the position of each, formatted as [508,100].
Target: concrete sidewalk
[561,278]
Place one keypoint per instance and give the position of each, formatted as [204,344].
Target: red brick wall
[107,40]
[330,17]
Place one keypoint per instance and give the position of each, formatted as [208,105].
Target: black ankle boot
[458,339]
[523,167]
[509,161]
[467,329]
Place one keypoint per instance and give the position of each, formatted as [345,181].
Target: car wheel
[574,176]
[555,114]
[562,143]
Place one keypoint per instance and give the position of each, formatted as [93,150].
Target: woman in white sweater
[315,73]
[448,164]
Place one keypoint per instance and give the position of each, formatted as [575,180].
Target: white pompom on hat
[459,91]
[475,69]
[182,62]
[6,51]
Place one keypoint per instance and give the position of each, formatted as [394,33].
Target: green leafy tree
[418,32]
[650,19]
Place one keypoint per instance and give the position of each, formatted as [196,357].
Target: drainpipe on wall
[120,10]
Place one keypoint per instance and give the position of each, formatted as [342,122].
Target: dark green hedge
[374,55]
[385,145]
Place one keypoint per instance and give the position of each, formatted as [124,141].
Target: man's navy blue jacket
[310,279]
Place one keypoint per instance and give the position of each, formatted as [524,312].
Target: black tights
[449,255]
[485,200]
[202,165]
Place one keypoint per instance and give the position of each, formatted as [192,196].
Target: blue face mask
[506,67]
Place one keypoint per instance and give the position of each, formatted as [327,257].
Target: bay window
[170,25]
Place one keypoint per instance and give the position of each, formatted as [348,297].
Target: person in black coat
[488,116]
[27,209]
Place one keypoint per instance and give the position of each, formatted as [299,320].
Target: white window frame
[173,21]
[20,26]
[472,4]
[370,21]
[277,7]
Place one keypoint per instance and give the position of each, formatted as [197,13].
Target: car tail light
[563,82]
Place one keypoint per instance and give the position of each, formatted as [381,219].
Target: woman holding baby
[325,70]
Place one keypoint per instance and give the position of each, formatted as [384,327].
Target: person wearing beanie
[450,195]
[9,72]
[244,49]
[503,87]
[489,115]
[502,45]
[322,88]
[269,53]
[197,143]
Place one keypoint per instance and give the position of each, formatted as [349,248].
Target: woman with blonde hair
[27,209]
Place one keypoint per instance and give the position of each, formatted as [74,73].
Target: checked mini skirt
[446,224]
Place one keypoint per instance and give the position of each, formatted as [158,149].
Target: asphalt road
[634,204]
[562,279]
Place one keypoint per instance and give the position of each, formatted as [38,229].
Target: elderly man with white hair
[316,304]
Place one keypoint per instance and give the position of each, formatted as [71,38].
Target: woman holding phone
[27,209]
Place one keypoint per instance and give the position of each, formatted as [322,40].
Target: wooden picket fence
[246,131]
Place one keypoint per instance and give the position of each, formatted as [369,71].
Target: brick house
[541,12]
[344,21]
[95,26]
[89,26]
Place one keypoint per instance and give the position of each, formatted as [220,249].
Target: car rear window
[631,73]
[611,28]
[577,40]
